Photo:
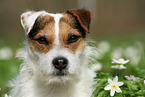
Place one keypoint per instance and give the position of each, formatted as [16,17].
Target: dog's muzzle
[60,63]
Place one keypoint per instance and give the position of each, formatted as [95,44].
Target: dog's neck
[56,89]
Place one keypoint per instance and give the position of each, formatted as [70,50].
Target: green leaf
[102,75]
[140,93]
[102,81]
[125,92]
[118,95]
[96,90]
[128,83]
[101,94]
[134,87]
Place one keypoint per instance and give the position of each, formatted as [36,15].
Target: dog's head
[56,41]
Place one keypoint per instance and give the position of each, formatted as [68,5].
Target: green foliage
[8,70]
[133,51]
[129,89]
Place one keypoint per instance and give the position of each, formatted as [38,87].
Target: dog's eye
[42,40]
[73,38]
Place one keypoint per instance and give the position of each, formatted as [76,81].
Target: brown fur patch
[67,29]
[45,27]
[84,17]
[47,31]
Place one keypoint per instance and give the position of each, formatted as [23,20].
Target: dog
[56,55]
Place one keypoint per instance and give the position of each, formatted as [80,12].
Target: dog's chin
[59,77]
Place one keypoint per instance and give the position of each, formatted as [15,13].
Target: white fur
[37,80]
[29,19]
[37,74]
[56,19]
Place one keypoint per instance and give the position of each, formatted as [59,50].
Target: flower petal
[126,61]
[118,89]
[122,67]
[112,92]
[109,80]
[136,79]
[108,87]
[120,83]
[132,77]
[113,67]
[114,61]
[127,77]
[115,79]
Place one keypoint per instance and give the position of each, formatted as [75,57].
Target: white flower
[144,81]
[132,78]
[119,67]
[96,67]
[120,61]
[6,53]
[113,86]
[7,95]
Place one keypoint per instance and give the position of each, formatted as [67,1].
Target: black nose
[60,63]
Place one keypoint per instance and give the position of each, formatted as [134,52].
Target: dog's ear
[28,19]
[83,17]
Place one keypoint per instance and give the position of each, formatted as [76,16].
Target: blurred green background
[118,28]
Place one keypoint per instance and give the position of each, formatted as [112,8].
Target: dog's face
[56,41]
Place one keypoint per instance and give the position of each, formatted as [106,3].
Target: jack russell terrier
[56,55]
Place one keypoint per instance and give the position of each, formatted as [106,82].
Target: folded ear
[28,19]
[84,17]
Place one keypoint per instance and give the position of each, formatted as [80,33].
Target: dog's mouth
[60,73]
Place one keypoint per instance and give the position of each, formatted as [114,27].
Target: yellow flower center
[121,60]
[114,86]
[117,66]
